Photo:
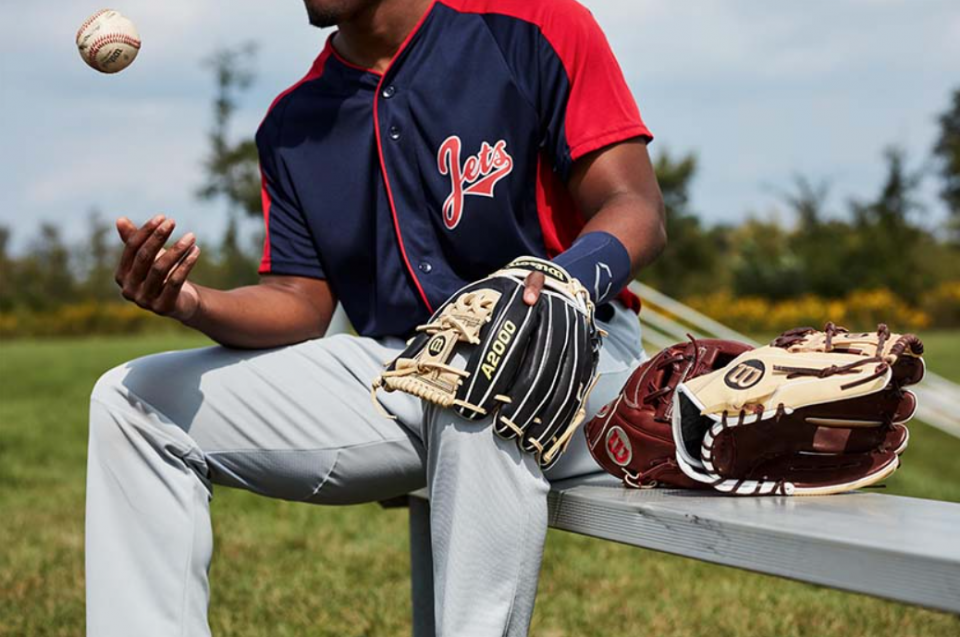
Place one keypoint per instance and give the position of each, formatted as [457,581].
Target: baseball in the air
[108,41]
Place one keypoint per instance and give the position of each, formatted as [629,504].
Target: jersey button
[388,92]
[394,133]
[425,267]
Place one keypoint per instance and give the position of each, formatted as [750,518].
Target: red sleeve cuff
[609,138]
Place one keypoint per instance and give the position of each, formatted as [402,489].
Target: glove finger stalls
[739,451]
[585,374]
[563,398]
[817,473]
[559,366]
[493,364]
[535,377]
[908,370]
[888,406]
[794,456]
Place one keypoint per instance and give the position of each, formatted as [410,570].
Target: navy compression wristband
[600,262]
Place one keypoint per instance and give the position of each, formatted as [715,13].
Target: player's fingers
[533,284]
[147,254]
[164,264]
[125,228]
[133,243]
[167,301]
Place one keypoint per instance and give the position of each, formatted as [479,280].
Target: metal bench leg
[421,568]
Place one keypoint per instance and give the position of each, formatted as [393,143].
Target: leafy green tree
[764,263]
[239,265]
[947,151]
[232,266]
[7,275]
[97,258]
[232,171]
[887,240]
[232,168]
[44,278]
[820,240]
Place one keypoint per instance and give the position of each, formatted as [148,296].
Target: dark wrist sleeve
[600,262]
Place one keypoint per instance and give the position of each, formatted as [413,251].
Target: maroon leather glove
[631,437]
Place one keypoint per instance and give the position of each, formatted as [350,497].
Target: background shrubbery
[807,262]
[861,309]
[58,289]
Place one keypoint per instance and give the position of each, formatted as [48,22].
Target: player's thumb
[533,285]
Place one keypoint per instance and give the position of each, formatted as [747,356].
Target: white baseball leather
[108,41]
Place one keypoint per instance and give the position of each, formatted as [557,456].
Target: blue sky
[759,90]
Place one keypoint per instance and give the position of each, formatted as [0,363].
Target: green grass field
[290,569]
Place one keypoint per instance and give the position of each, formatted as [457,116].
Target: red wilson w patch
[618,446]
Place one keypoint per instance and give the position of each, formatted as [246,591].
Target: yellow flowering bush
[861,309]
[81,319]
[943,304]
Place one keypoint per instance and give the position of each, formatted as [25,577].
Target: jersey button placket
[388,114]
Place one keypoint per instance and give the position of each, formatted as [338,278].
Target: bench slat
[906,549]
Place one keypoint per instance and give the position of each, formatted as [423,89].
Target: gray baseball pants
[297,423]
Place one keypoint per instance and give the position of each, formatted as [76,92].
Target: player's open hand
[153,277]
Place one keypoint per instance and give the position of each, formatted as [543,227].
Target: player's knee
[109,386]
[118,415]
[106,412]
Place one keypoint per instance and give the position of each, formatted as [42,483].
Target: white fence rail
[667,321]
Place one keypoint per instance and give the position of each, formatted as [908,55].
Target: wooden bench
[904,549]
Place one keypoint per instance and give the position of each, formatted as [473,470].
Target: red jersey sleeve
[584,99]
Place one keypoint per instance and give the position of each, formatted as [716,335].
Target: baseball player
[430,143]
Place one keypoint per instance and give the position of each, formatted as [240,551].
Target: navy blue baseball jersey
[399,188]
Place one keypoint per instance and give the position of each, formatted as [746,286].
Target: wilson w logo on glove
[745,375]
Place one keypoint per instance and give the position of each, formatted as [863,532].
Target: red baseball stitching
[90,21]
[110,38]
